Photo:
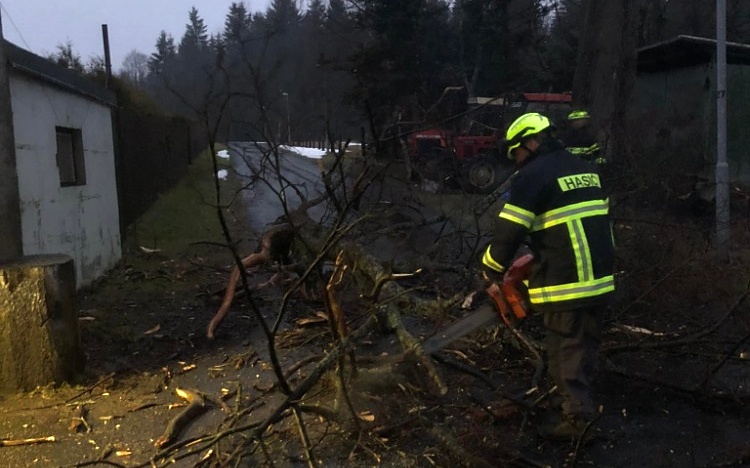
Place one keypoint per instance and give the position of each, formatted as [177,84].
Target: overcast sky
[40,25]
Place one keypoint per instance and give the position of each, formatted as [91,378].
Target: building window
[70,162]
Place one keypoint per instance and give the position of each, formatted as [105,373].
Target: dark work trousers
[572,340]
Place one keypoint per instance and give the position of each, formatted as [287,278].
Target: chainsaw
[486,202]
[507,305]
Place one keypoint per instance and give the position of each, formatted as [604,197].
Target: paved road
[257,165]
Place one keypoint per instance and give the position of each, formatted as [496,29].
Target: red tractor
[469,157]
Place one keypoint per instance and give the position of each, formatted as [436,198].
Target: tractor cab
[467,156]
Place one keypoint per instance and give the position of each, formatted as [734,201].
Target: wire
[15,28]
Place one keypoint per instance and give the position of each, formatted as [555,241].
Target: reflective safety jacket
[557,201]
[582,142]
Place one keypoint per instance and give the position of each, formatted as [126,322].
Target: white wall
[80,221]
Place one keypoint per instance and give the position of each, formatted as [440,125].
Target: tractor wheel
[480,174]
[485,173]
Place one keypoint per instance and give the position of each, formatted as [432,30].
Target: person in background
[558,206]
[580,140]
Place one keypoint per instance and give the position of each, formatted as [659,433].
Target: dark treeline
[334,66]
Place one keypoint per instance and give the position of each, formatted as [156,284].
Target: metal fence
[152,154]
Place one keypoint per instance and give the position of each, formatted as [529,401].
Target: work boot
[553,402]
[568,428]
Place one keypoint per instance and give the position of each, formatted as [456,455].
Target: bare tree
[135,67]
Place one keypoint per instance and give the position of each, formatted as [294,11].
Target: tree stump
[39,338]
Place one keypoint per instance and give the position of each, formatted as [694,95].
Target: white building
[65,160]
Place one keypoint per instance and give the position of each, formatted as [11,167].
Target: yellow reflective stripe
[570,212]
[490,262]
[584,150]
[572,215]
[566,292]
[581,250]
[517,215]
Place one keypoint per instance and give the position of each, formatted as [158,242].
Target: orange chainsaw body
[506,296]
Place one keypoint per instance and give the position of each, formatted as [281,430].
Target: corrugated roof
[45,70]
[686,51]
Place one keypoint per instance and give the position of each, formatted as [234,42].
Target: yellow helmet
[579,114]
[524,127]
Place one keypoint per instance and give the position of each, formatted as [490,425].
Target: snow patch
[307,152]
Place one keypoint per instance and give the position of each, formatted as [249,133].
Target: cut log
[39,337]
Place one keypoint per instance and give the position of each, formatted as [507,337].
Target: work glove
[520,270]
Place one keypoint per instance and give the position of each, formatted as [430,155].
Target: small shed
[673,109]
[65,162]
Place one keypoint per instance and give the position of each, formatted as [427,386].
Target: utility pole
[11,243]
[288,121]
[722,166]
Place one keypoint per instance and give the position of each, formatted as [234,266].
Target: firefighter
[557,205]
[580,140]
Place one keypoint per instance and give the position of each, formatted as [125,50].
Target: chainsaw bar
[484,315]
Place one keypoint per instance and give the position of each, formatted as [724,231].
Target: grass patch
[185,214]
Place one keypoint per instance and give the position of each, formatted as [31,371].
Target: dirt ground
[672,386]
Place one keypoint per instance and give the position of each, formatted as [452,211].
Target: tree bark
[39,337]
[605,72]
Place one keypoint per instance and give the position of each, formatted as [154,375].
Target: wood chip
[366,416]
[32,441]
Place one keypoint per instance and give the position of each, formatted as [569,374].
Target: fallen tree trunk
[274,246]
[386,302]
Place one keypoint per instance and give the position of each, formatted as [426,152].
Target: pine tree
[66,57]
[195,38]
[236,24]
[282,16]
[165,52]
